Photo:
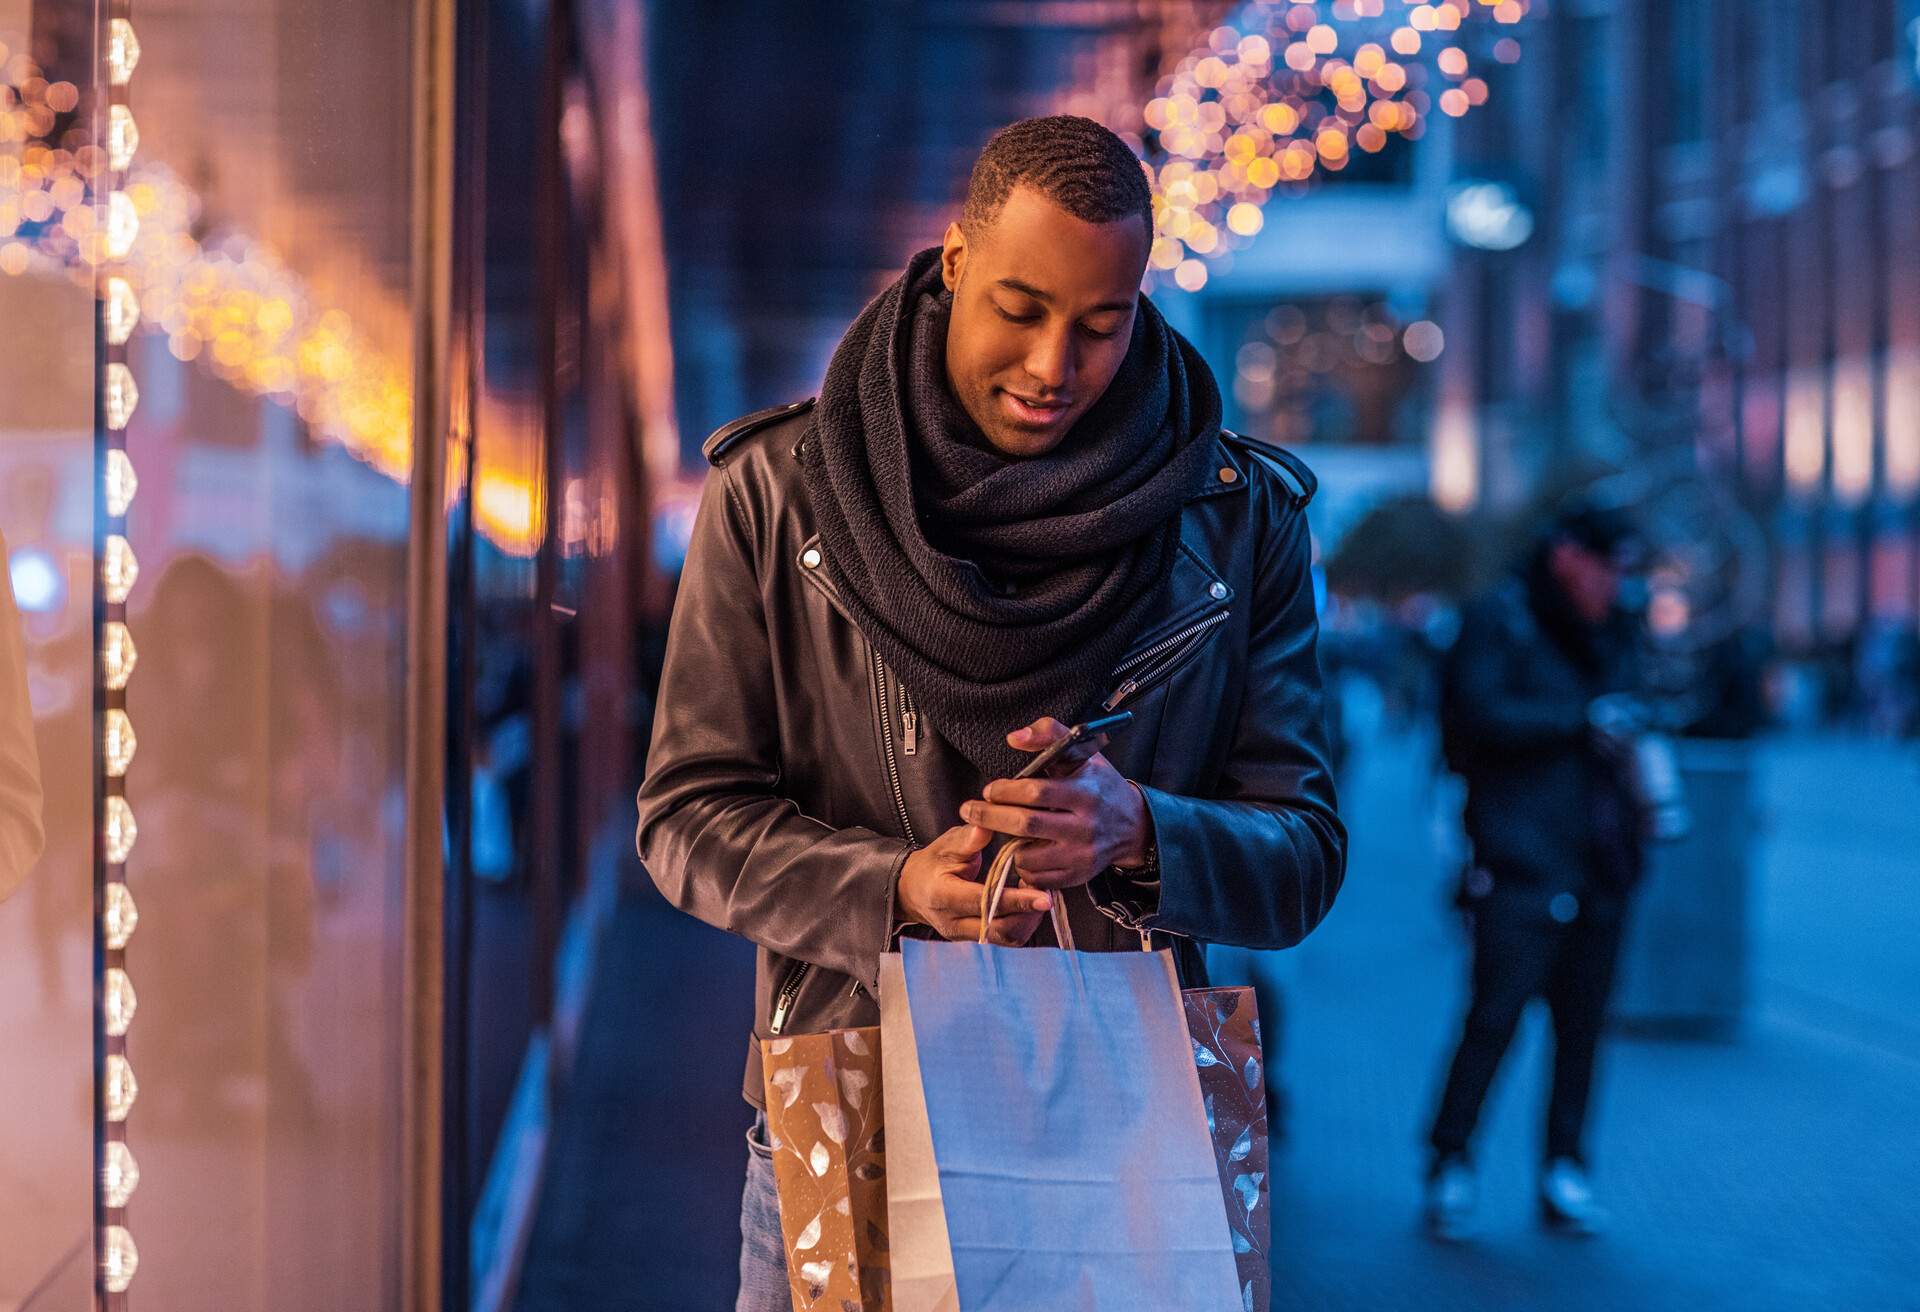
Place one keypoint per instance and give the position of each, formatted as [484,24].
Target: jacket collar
[1228,474]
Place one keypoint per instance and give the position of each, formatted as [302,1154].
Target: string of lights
[223,299]
[1293,88]
[119,1174]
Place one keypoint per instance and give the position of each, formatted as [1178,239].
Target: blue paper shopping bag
[1046,1140]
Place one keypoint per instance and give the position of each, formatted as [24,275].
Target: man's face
[1043,307]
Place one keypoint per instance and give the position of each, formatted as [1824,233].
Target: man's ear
[953,256]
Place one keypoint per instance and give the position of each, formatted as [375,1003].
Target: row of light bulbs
[107,251]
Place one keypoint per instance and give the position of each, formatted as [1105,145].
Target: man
[1537,716]
[21,835]
[1012,507]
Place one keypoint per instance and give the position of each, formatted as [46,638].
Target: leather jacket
[791,774]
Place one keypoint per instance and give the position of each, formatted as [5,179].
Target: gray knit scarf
[999,589]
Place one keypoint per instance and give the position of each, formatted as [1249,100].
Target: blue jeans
[763,1250]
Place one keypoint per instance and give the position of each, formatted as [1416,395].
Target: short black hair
[1074,162]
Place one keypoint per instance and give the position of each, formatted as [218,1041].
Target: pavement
[1775,1168]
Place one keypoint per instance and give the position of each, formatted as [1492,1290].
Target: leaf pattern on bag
[823,1090]
[1247,1185]
[1241,1146]
[833,1121]
[816,1274]
[1224,1026]
[1246,1297]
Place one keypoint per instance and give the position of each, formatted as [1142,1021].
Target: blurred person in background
[21,834]
[1539,717]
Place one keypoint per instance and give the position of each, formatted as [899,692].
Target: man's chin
[1023,444]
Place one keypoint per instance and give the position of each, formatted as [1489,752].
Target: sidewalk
[1779,1170]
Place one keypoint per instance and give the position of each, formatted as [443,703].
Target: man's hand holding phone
[1079,816]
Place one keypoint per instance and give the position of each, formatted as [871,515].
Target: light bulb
[122,917]
[123,137]
[122,482]
[121,830]
[123,52]
[123,225]
[118,743]
[119,570]
[122,310]
[121,1261]
[121,395]
[118,654]
[122,1088]
[120,1001]
[121,1175]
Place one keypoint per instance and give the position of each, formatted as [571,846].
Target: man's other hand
[1075,826]
[940,886]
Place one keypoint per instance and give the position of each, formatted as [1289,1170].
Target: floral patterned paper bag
[1225,1024]
[829,1162]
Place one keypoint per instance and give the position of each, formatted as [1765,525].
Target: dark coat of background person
[1546,813]
[770,807]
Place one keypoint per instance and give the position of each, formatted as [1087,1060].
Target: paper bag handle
[999,876]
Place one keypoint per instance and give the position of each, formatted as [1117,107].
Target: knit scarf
[997,588]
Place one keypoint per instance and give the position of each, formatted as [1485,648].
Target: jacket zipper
[886,738]
[788,991]
[909,723]
[1165,655]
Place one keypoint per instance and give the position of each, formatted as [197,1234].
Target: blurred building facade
[1722,284]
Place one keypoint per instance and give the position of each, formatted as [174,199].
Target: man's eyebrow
[1046,298]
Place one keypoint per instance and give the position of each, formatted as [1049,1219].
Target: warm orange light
[1280,118]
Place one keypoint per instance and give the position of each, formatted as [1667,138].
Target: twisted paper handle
[999,876]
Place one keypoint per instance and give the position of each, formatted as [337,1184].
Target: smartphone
[1076,736]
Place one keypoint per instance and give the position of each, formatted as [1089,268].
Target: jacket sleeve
[715,833]
[21,832]
[1481,712]
[1258,863]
